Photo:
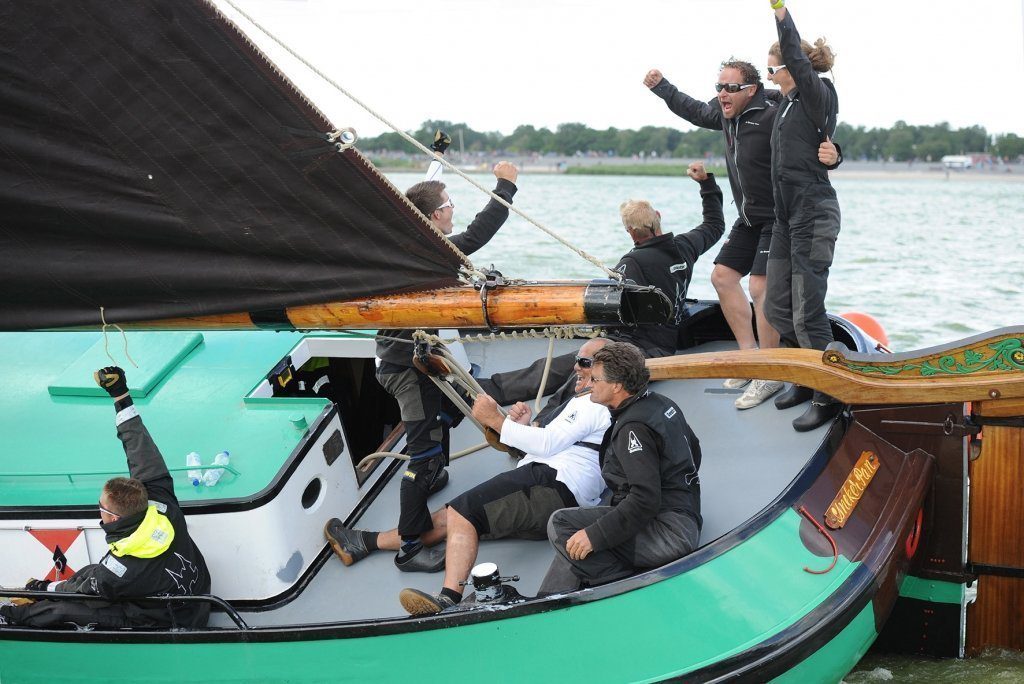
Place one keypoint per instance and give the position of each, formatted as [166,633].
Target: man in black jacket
[150,550]
[660,259]
[666,260]
[745,112]
[426,412]
[649,459]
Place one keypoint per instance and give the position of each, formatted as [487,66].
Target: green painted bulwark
[932,590]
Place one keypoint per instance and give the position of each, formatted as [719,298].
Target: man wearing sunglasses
[560,469]
[745,112]
[427,413]
[650,460]
[150,552]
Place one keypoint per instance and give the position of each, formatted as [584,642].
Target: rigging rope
[423,148]
[106,346]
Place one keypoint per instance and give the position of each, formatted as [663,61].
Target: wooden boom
[598,302]
[984,367]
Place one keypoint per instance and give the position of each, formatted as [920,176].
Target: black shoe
[794,396]
[817,414]
[425,559]
[346,542]
[418,602]
[440,481]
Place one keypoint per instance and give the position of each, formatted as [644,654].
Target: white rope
[106,347]
[423,148]
[544,377]
[377,455]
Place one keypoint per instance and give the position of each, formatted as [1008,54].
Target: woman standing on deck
[806,210]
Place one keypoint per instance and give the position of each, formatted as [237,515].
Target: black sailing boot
[794,396]
[823,408]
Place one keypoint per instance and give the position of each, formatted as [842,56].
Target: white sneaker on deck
[735,383]
[757,393]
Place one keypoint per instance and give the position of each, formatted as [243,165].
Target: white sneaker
[735,383]
[757,393]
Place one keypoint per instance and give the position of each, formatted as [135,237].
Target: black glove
[37,585]
[112,380]
[441,142]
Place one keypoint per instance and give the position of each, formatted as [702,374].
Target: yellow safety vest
[153,536]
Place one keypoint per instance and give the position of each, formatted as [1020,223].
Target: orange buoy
[868,324]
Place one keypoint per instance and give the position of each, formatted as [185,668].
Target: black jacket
[179,569]
[806,115]
[666,261]
[650,459]
[396,356]
[747,141]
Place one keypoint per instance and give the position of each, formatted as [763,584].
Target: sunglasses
[449,203]
[772,70]
[107,511]
[584,361]
[732,87]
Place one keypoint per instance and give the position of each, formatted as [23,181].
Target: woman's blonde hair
[820,54]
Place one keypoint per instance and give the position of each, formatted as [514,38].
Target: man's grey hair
[623,363]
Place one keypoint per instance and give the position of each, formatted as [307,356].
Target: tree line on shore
[902,142]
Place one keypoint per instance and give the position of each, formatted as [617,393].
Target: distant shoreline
[677,167]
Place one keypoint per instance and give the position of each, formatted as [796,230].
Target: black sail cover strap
[152,162]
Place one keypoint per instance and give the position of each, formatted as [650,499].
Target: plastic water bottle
[194,476]
[212,475]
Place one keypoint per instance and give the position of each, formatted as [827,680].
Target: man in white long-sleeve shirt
[560,468]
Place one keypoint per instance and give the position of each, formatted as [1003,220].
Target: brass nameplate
[846,500]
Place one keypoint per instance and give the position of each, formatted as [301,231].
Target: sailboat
[160,174]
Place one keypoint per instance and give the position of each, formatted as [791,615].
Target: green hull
[666,629]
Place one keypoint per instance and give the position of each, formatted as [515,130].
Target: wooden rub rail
[598,302]
[984,367]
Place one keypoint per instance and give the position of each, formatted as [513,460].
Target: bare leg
[766,334]
[391,541]
[460,554]
[735,305]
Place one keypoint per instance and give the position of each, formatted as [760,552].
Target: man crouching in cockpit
[150,551]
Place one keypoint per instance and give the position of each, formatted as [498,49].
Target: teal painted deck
[195,404]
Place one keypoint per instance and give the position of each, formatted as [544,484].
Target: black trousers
[669,536]
[803,245]
[428,415]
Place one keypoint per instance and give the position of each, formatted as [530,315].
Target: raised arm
[816,96]
[145,463]
[494,214]
[695,242]
[703,114]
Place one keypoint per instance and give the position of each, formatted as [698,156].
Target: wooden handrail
[984,367]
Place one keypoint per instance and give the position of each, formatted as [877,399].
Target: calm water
[933,260]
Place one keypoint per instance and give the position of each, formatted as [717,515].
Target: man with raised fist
[149,552]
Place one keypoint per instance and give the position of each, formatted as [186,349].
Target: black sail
[153,163]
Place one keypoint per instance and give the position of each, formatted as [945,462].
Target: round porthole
[311,493]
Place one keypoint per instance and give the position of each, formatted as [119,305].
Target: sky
[497,65]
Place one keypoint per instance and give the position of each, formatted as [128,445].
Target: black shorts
[516,503]
[746,249]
